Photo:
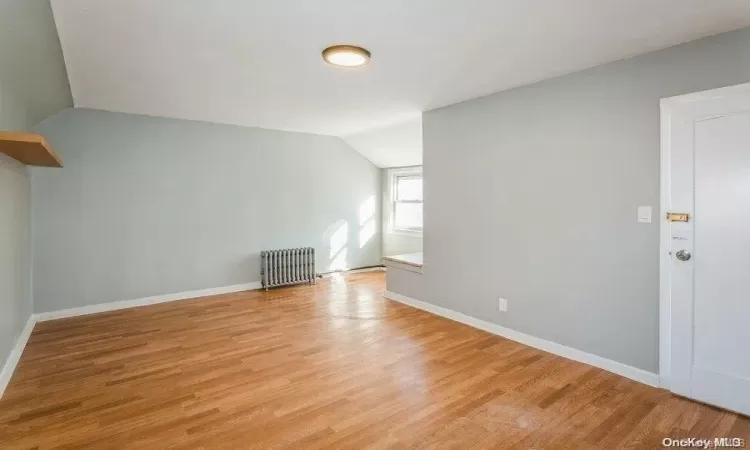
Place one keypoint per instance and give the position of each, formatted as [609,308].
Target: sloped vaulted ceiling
[394,145]
[258,63]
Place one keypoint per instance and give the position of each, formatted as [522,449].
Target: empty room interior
[476,224]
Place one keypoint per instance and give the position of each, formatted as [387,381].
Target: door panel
[722,245]
[709,294]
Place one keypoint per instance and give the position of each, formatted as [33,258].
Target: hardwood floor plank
[331,365]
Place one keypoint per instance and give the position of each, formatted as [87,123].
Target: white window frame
[393,176]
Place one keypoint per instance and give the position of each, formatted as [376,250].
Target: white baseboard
[640,375]
[15,355]
[103,307]
[367,269]
[363,270]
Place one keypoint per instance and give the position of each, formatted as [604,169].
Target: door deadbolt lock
[683,255]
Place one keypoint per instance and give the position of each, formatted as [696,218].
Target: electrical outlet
[502,304]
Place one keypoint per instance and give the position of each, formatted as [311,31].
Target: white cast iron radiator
[287,266]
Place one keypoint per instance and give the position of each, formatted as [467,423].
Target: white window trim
[393,174]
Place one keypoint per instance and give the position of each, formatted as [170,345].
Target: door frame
[669,108]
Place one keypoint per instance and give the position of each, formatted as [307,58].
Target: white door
[706,145]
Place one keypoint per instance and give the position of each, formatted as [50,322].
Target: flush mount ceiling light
[346,56]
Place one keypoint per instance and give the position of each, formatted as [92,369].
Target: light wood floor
[328,366]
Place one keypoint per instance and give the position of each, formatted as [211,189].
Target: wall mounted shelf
[29,148]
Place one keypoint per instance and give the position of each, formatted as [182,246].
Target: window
[406,195]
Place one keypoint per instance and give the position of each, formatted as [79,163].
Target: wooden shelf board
[29,148]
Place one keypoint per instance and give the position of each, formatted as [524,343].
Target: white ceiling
[257,62]
[395,145]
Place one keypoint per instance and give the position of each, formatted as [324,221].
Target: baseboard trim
[15,354]
[639,375]
[358,270]
[367,269]
[113,306]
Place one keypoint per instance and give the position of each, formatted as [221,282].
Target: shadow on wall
[337,235]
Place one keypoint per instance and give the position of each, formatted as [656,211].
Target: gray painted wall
[531,195]
[404,282]
[15,253]
[395,243]
[148,206]
[33,85]
[33,80]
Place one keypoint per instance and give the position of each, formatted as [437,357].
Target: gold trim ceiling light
[346,56]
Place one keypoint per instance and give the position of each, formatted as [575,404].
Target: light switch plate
[644,214]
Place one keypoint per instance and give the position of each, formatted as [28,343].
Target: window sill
[411,262]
